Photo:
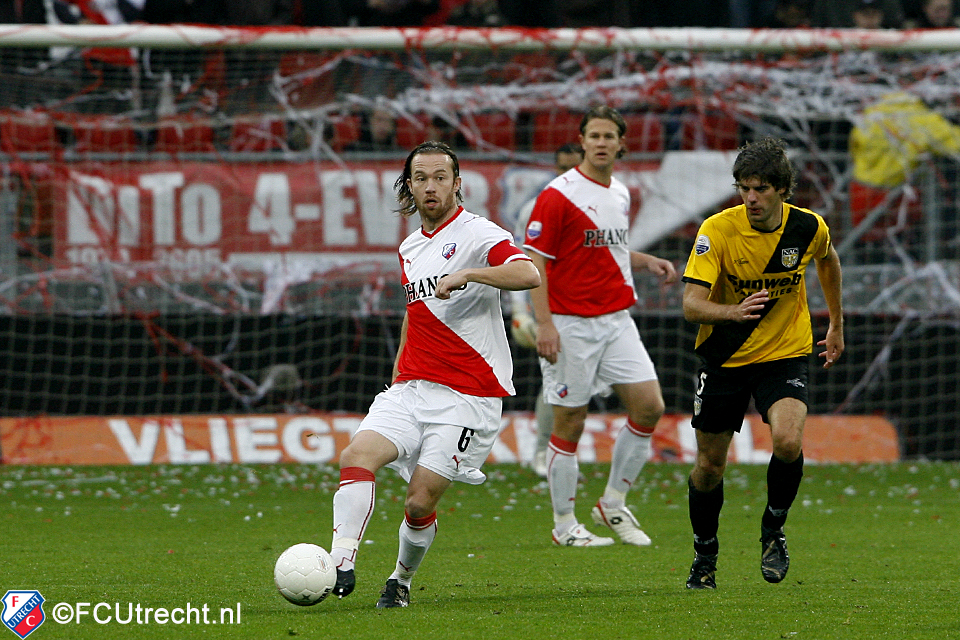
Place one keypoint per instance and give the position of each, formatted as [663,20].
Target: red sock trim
[349,475]
[420,523]
[640,430]
[563,446]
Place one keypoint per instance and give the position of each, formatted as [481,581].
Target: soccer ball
[305,574]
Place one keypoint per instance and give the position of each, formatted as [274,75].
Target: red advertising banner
[319,438]
[247,214]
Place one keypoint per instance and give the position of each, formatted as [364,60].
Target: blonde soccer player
[586,338]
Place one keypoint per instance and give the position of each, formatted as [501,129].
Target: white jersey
[581,227]
[460,342]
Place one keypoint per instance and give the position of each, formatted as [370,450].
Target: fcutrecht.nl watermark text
[136,613]
[23,613]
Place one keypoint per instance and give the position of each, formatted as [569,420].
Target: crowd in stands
[884,14]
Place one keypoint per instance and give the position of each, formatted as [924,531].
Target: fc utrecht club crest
[790,257]
[449,250]
[22,611]
[534,230]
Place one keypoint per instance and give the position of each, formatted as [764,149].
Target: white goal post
[448,38]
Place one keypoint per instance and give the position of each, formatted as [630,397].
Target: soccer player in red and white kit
[438,420]
[578,239]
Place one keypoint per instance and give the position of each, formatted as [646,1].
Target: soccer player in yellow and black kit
[745,286]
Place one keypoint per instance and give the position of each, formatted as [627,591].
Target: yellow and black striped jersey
[735,260]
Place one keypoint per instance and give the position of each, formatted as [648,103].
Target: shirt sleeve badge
[702,245]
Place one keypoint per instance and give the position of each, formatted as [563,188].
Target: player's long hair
[408,206]
[767,160]
[603,112]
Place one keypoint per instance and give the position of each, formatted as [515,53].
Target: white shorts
[594,352]
[435,427]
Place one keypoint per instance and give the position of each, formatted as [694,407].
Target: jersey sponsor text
[604,237]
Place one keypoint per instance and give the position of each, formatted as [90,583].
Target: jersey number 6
[465,439]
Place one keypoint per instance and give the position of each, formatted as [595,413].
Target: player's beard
[436,215]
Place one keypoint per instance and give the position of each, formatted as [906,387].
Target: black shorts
[723,394]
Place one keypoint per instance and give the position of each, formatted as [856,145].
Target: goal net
[199,220]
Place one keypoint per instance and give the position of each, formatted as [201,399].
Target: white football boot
[623,524]
[580,537]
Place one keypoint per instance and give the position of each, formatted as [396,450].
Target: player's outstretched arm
[655,265]
[515,275]
[831,282]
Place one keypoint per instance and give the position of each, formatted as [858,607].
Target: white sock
[416,536]
[544,416]
[352,507]
[563,471]
[630,453]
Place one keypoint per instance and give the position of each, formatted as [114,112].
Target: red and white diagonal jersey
[581,227]
[460,342]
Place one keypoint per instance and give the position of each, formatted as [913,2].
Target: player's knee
[787,449]
[419,504]
[358,455]
[349,457]
[649,415]
[787,443]
[568,423]
[707,474]
[708,469]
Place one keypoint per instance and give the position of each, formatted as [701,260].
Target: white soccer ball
[524,330]
[305,574]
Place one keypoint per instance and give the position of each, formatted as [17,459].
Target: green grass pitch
[873,551]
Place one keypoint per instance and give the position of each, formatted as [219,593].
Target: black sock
[783,483]
[705,517]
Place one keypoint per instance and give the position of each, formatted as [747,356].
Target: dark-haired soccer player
[745,285]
